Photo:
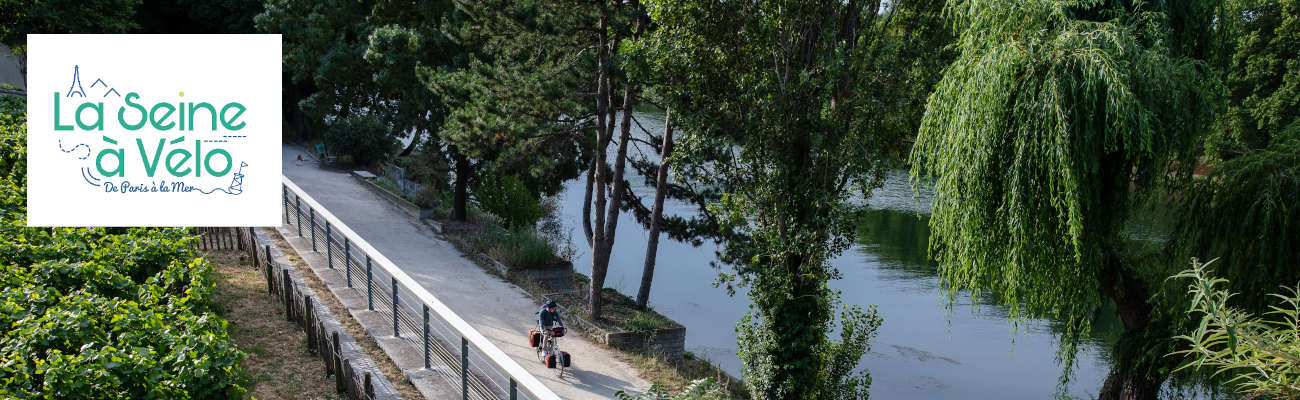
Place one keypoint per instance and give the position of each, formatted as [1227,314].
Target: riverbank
[499,310]
[653,342]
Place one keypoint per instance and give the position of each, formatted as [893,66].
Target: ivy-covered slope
[104,313]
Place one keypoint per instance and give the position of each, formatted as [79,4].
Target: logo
[172,130]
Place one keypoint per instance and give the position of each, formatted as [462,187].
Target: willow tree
[1246,212]
[790,108]
[1056,118]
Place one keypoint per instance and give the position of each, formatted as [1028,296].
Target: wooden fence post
[346,381]
[369,388]
[309,317]
[270,282]
[288,295]
[336,354]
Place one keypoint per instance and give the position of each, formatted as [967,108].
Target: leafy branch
[1262,353]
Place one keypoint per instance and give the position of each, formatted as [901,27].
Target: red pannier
[534,338]
[564,359]
[550,360]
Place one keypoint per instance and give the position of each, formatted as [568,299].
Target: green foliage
[1260,353]
[21,17]
[506,196]
[1262,76]
[406,37]
[1034,140]
[198,16]
[643,323]
[514,87]
[519,247]
[324,47]
[700,389]
[362,137]
[113,313]
[793,107]
[1246,212]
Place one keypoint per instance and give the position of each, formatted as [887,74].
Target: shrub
[700,389]
[508,198]
[114,313]
[364,138]
[1261,353]
[643,323]
[518,247]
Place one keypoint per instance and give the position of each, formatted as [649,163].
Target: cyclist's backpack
[550,360]
[534,338]
[564,359]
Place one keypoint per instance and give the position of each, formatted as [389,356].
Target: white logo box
[149,87]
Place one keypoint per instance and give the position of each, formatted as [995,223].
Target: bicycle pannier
[534,338]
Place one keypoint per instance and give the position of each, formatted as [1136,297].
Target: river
[923,351]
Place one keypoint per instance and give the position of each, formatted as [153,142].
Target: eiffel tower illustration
[75,87]
[237,185]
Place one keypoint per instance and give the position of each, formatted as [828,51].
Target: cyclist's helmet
[550,303]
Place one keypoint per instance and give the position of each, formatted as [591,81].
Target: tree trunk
[293,114]
[1128,384]
[605,244]
[461,196]
[411,147]
[586,201]
[1128,379]
[652,244]
[599,257]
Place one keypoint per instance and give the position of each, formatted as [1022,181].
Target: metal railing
[397,176]
[449,344]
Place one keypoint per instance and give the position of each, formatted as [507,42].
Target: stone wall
[13,68]
[558,277]
[669,343]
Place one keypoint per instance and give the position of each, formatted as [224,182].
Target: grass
[519,247]
[675,377]
[278,366]
[618,312]
[644,323]
[353,328]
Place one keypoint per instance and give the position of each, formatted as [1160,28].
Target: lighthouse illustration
[237,184]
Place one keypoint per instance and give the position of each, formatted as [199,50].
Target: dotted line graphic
[234,136]
[214,140]
[74,148]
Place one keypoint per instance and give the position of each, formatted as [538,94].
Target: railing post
[370,293]
[395,332]
[347,261]
[312,211]
[297,211]
[514,390]
[426,335]
[464,368]
[329,247]
[284,192]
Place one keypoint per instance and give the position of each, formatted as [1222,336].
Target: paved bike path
[499,310]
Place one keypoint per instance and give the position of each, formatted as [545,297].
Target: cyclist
[548,317]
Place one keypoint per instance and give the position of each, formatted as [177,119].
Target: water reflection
[923,351]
